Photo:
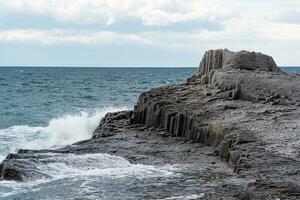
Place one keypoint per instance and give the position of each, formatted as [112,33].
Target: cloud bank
[151,13]
[167,25]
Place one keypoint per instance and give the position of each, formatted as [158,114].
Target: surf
[60,131]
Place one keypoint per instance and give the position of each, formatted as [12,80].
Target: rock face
[217,59]
[240,106]
[243,105]
[225,59]
[247,76]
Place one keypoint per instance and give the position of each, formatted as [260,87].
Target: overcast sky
[141,33]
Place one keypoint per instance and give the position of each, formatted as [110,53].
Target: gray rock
[244,60]
[251,116]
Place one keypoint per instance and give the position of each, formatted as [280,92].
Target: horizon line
[99,66]
[52,66]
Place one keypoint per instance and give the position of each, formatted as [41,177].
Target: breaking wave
[60,131]
[87,169]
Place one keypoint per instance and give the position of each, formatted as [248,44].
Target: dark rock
[242,82]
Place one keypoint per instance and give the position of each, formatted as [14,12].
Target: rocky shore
[239,115]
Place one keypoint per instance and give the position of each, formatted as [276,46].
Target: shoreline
[240,109]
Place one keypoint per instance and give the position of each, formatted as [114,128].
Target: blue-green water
[34,96]
[43,107]
[291,69]
[52,107]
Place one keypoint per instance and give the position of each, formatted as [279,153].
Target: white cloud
[162,12]
[236,34]
[75,11]
[168,12]
[254,25]
[61,36]
[280,31]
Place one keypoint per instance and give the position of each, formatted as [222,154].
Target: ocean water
[52,107]
[291,69]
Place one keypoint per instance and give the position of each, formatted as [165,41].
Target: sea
[50,107]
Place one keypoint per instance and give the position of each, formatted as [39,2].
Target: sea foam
[60,131]
[59,166]
[87,169]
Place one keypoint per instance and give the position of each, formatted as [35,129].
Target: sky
[144,33]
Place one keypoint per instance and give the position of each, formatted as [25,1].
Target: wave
[91,171]
[89,165]
[188,197]
[60,131]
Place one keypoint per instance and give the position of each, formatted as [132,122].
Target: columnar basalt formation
[239,107]
[225,59]
[223,75]
[247,76]
[240,103]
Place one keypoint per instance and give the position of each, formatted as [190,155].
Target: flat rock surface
[266,136]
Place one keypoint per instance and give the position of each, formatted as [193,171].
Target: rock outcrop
[243,105]
[240,107]
[248,76]
[225,59]
[217,59]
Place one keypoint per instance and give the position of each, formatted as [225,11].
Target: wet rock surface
[239,114]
